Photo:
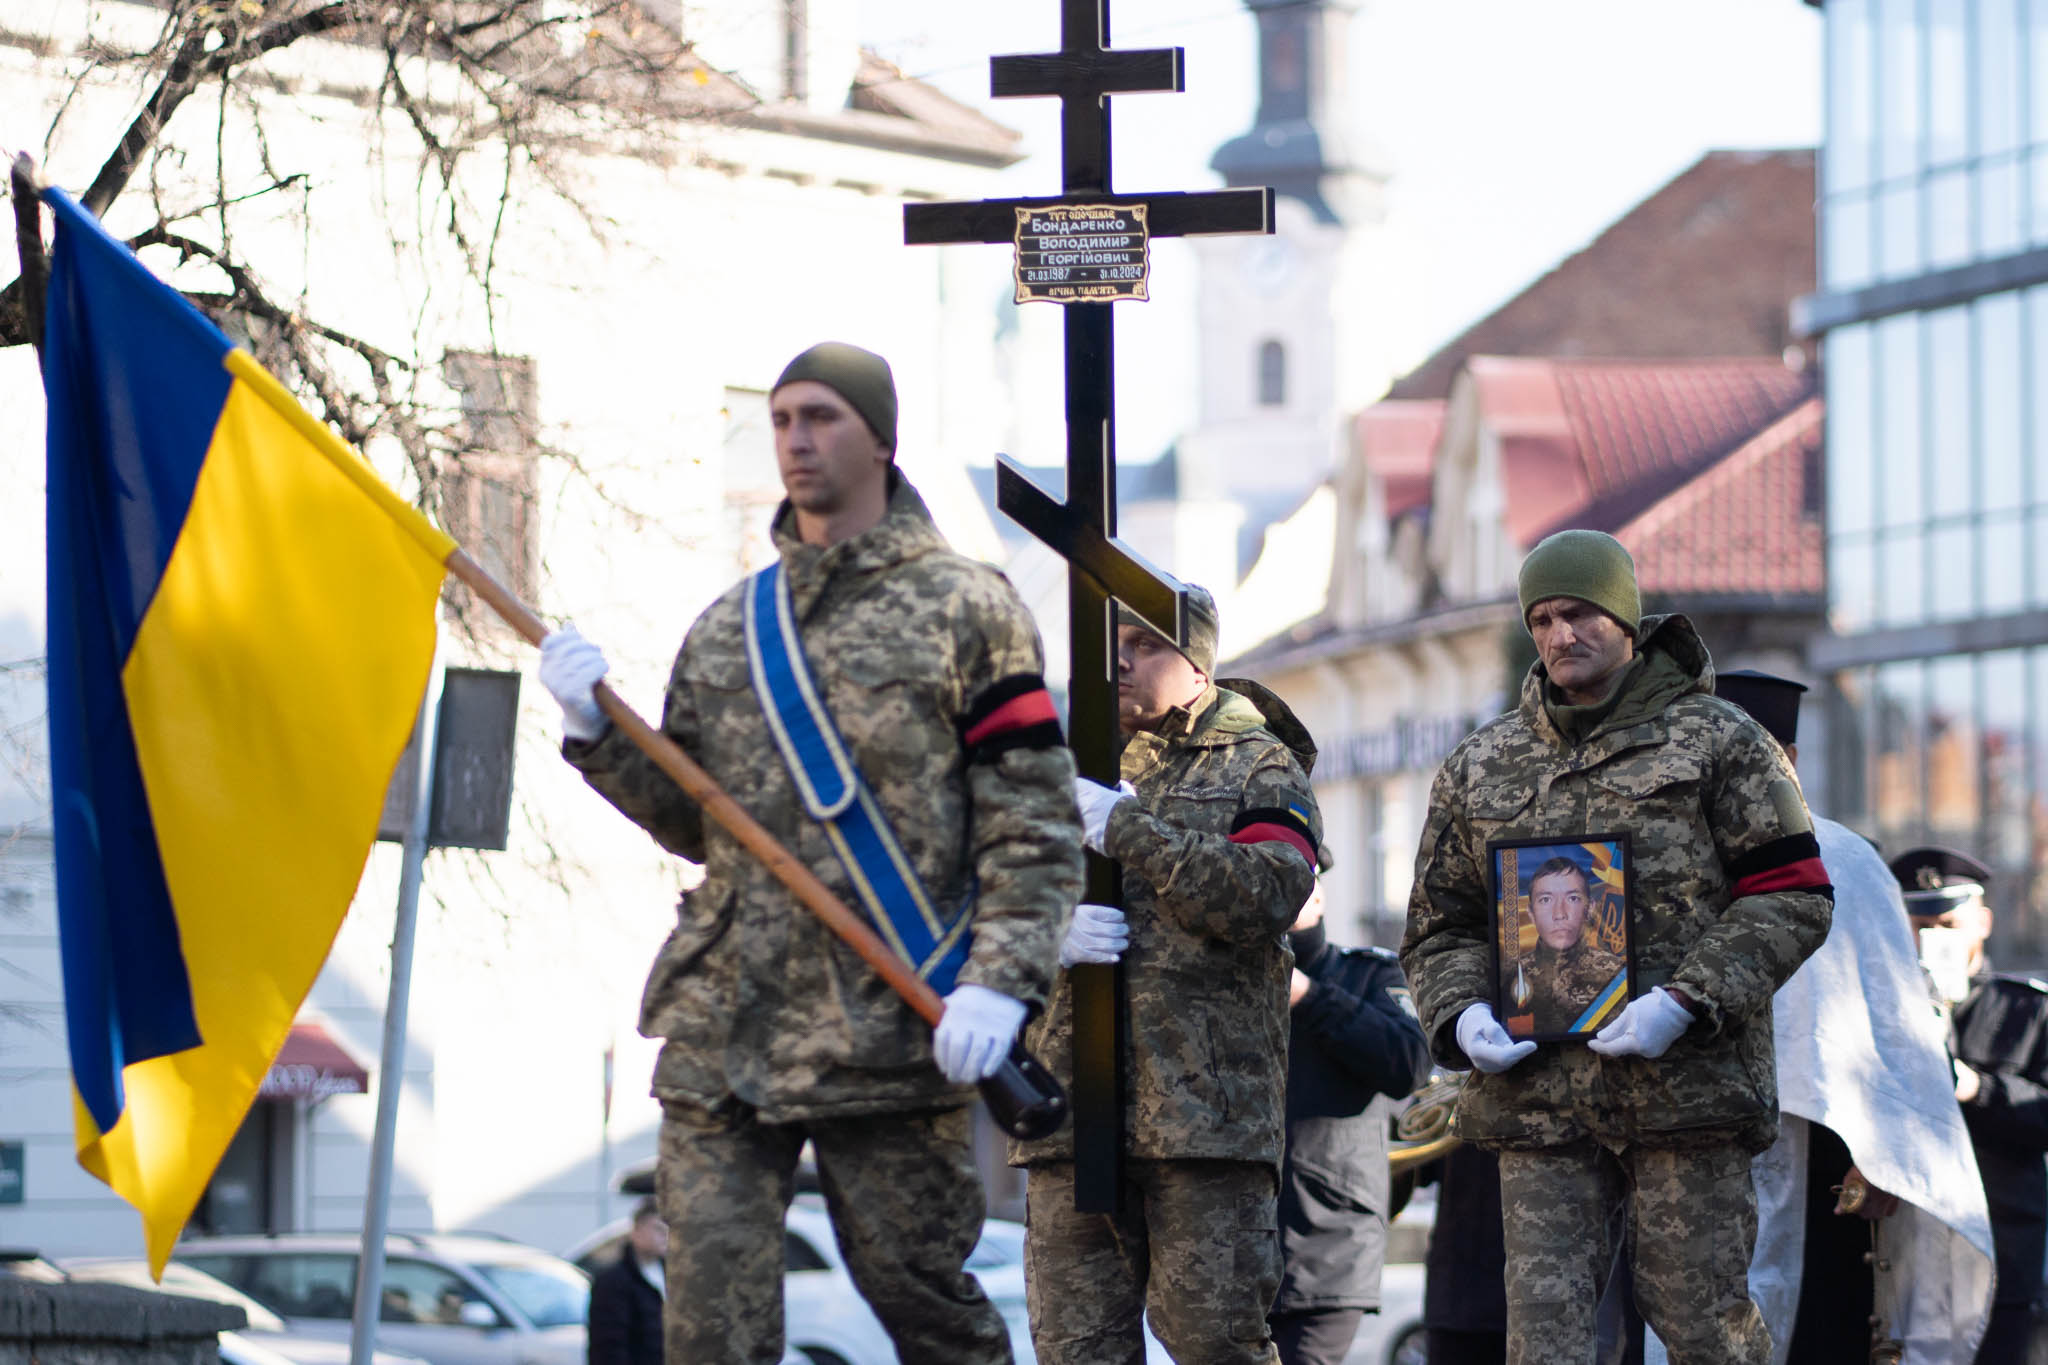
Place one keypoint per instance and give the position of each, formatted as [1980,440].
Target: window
[1272,374]
[549,1293]
[488,482]
[295,1284]
[418,1292]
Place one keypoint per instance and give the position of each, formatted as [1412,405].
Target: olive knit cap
[862,378]
[1589,565]
[1201,647]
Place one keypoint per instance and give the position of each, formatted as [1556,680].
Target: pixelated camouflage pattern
[756,997]
[1562,985]
[1688,778]
[906,1205]
[1207,970]
[1197,1243]
[1695,1226]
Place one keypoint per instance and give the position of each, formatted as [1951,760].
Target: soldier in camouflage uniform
[1619,732]
[1216,831]
[776,1031]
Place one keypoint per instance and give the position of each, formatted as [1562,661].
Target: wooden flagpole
[700,787]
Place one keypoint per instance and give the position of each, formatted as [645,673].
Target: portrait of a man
[1563,936]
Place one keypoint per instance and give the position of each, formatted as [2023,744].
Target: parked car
[827,1322]
[267,1337]
[1394,1335]
[454,1300]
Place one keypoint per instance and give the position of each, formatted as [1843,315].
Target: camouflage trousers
[1695,1226]
[1196,1242]
[906,1205]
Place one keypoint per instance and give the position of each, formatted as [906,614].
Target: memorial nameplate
[1083,253]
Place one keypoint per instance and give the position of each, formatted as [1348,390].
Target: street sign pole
[391,1064]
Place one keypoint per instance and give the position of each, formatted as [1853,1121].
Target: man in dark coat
[625,1298]
[1355,1046]
[1998,1034]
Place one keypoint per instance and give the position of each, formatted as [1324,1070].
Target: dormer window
[1272,374]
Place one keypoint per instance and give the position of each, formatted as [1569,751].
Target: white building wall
[712,270]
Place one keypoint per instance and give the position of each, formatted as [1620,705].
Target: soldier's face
[1581,646]
[1558,904]
[825,451]
[1152,677]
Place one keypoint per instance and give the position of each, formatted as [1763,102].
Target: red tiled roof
[1397,441]
[1642,428]
[1707,265]
[1747,525]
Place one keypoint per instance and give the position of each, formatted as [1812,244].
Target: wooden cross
[1101,569]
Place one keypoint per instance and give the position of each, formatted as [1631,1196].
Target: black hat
[1771,700]
[1934,879]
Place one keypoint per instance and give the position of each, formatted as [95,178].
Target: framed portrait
[1563,949]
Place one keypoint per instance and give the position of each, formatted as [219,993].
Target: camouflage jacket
[1727,898]
[1217,851]
[916,650]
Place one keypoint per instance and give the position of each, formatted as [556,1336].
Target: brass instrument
[1422,1133]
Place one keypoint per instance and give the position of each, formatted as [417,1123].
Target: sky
[1516,129]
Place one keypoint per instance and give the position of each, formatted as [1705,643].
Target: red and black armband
[1015,713]
[1275,824]
[1788,864]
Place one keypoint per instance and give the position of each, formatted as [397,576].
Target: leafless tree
[501,98]
[535,83]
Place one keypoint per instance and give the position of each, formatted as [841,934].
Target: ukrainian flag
[241,624]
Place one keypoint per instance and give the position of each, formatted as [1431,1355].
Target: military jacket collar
[1217,718]
[905,532]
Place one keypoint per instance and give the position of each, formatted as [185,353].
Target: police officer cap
[1773,701]
[1934,879]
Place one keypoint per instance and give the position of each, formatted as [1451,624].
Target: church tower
[1288,322]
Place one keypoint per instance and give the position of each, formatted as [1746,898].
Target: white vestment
[1863,1050]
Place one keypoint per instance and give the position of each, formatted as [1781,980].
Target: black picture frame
[1538,994]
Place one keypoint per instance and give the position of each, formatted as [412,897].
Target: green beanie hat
[1589,565]
[1201,650]
[862,378]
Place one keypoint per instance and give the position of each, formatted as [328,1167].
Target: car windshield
[547,1294]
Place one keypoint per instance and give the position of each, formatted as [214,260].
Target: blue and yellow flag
[241,624]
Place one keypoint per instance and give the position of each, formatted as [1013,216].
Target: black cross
[1083,528]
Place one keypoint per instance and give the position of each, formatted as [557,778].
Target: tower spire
[1301,142]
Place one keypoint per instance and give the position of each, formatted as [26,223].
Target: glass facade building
[1933,309]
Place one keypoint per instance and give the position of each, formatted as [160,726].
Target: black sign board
[472,797]
[1083,253]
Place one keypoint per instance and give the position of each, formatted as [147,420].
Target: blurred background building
[1934,324]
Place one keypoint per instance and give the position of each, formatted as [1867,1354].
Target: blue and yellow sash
[837,796]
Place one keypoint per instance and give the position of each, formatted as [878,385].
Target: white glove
[570,667]
[975,1033]
[1486,1042]
[1096,802]
[1097,933]
[1645,1028]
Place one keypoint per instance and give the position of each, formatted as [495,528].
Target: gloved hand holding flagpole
[1022,1095]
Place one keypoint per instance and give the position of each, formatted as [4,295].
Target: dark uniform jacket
[1355,1047]
[625,1315]
[1217,851]
[929,664]
[1727,895]
[2001,1030]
